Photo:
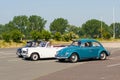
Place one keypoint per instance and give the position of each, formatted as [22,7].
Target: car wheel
[74,58]
[103,56]
[34,57]
[61,60]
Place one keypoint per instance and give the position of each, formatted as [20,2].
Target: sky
[76,12]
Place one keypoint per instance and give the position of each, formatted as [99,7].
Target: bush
[106,35]
[70,36]
[16,36]
[36,35]
[66,37]
[6,37]
[46,35]
[57,36]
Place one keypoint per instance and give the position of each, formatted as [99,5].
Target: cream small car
[44,50]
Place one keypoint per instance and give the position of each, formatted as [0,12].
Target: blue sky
[76,12]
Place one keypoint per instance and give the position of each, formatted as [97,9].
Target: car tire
[34,57]
[103,56]
[61,60]
[73,58]
[20,56]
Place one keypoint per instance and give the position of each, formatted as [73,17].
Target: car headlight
[25,51]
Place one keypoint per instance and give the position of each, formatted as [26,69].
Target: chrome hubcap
[102,56]
[74,57]
[35,56]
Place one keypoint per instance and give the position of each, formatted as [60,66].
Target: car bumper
[61,57]
[26,56]
[108,53]
[19,54]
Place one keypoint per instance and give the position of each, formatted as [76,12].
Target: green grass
[4,44]
[14,45]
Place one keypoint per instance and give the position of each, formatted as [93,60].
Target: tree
[36,35]
[6,37]
[57,36]
[95,29]
[70,36]
[27,24]
[16,35]
[1,30]
[81,32]
[46,35]
[72,28]
[59,25]
[21,22]
[117,29]
[66,37]
[9,27]
[36,23]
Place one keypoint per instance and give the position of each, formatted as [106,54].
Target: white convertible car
[44,50]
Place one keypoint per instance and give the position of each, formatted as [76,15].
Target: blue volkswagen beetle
[82,49]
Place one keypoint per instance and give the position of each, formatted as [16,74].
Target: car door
[95,49]
[50,52]
[85,51]
[93,52]
[88,50]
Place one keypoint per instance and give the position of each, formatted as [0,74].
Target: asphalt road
[14,68]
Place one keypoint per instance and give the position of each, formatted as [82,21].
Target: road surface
[14,68]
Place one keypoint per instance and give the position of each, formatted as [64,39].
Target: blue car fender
[100,51]
[69,53]
[72,53]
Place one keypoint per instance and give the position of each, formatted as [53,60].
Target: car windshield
[42,44]
[76,43]
[29,44]
[32,43]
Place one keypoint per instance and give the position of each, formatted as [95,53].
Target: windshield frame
[76,43]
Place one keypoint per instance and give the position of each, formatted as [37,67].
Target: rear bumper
[108,53]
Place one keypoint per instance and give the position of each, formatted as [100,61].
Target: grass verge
[4,44]
[14,45]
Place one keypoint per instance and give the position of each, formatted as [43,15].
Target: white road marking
[113,65]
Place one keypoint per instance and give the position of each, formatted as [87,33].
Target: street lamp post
[101,28]
[113,24]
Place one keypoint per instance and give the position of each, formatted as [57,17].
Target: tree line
[33,27]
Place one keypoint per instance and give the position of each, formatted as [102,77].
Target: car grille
[24,51]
